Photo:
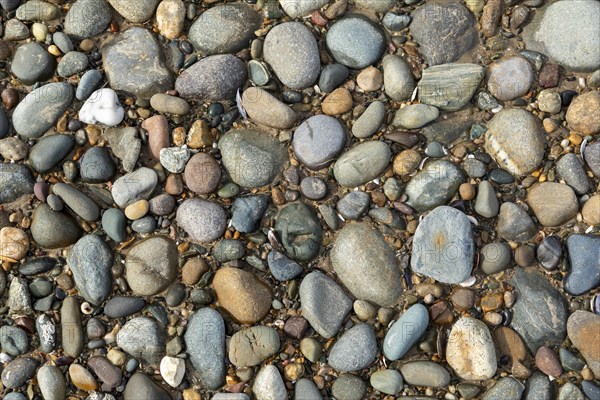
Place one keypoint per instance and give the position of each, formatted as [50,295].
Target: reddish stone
[547,361]
[158,134]
[295,327]
[549,75]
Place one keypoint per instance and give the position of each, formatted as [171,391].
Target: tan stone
[406,162]
[583,328]
[337,102]
[470,351]
[370,79]
[242,294]
[266,109]
[553,204]
[467,191]
[492,302]
[200,135]
[170,16]
[13,244]
[137,210]
[591,210]
[509,343]
[82,378]
[583,114]
[192,270]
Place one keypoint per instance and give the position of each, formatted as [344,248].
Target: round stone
[313,188]
[151,265]
[552,203]
[32,63]
[364,162]
[509,78]
[202,173]
[582,114]
[318,141]
[355,41]
[470,351]
[205,221]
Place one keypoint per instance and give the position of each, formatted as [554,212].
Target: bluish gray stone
[354,205]
[228,250]
[205,342]
[72,63]
[146,224]
[305,389]
[362,163]
[584,259]
[425,373]
[388,381]
[49,151]
[299,231]
[324,303]
[434,185]
[570,392]
[486,203]
[506,388]
[32,63]
[134,186]
[14,340]
[443,246]
[281,267]
[355,349]
[591,390]
[355,41]
[332,76]
[97,166]
[17,372]
[114,224]
[247,212]
[15,181]
[143,338]
[87,18]
[90,261]
[369,121]
[318,141]
[405,332]
[89,82]
[570,168]
[47,103]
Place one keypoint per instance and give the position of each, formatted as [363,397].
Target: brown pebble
[490,17]
[509,343]
[423,289]
[10,98]
[64,282]
[295,327]
[406,162]
[591,210]
[463,299]
[192,270]
[492,302]
[337,102]
[174,184]
[370,79]
[158,134]
[549,75]
[467,191]
[202,173]
[200,135]
[547,361]
[86,45]
[441,314]
[5,51]
[524,255]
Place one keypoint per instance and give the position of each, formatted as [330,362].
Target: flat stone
[405,332]
[282,268]
[72,336]
[449,87]
[205,221]
[250,347]
[49,151]
[538,387]
[592,157]
[470,351]
[570,168]
[434,185]
[266,109]
[123,306]
[97,165]
[324,303]
[509,78]
[361,164]
[425,373]
[151,265]
[16,180]
[137,185]
[570,392]
[318,141]
[126,146]
[354,205]
[355,349]
[552,203]
[349,387]
[143,338]
[81,204]
[247,212]
[584,259]
[52,382]
[306,389]
[37,10]
[18,372]
[72,63]
[369,121]
[213,78]
[114,224]
[87,18]
[360,252]
[355,41]
[398,78]
[88,83]
[387,381]
[141,385]
[332,76]
[415,116]
[515,139]
[90,261]
[486,203]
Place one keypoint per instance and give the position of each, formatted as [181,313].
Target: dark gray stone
[584,258]
[37,266]
[332,76]
[32,63]
[141,386]
[49,151]
[53,229]
[355,41]
[114,224]
[13,340]
[87,18]
[15,181]
[18,372]
[353,205]
[506,388]
[538,387]
[72,63]
[247,212]
[89,82]
[515,224]
[122,306]
[213,78]
[300,231]
[90,261]
[228,250]
[80,203]
[570,168]
[97,166]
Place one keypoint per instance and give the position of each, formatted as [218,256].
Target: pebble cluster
[300,199]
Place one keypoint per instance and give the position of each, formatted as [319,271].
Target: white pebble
[102,108]
[172,370]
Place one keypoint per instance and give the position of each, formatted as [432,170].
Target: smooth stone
[570,392]
[134,62]
[18,371]
[122,306]
[444,30]
[168,104]
[62,41]
[405,332]
[124,143]
[71,64]
[90,261]
[224,28]
[538,387]
[348,387]
[470,350]
[108,373]
[324,303]
[369,121]
[282,268]
[582,329]
[570,168]
[151,265]
[247,212]
[425,373]
[170,18]
[38,265]
[591,390]
[537,300]
[509,78]
[15,30]
[242,294]
[355,41]
[266,109]
[14,341]
[313,188]
[250,347]
[362,163]
[584,259]
[553,204]
[452,128]
[172,370]
[268,384]
[360,252]
[398,78]
[332,76]
[88,83]
[135,10]
[474,168]
[52,382]
[146,224]
[495,257]
[415,116]
[300,231]
[515,224]
[296,9]
[354,350]
[515,139]
[549,101]
[501,176]
[581,115]
[73,340]
[52,229]
[297,66]
[102,108]
[114,224]
[567,33]
[486,203]
[205,341]
[396,22]
[434,185]
[228,250]
[81,204]
[9,5]
[506,388]
[97,166]
[252,158]
[49,151]
[450,87]
[16,180]
[570,361]
[37,10]
[592,157]
[353,205]
[141,385]
[204,221]
[305,389]
[143,338]
[32,63]
[213,78]
[230,396]
[388,381]
[318,141]
[137,185]
[87,18]
[48,103]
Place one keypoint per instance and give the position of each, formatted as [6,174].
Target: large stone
[509,78]
[584,258]
[295,8]
[355,349]
[540,312]
[90,261]
[434,185]
[470,350]
[397,77]
[87,18]
[584,331]
[449,87]
[361,254]
[143,338]
[213,78]
[32,63]
[515,139]
[135,63]
[568,32]
[362,163]
[252,158]
[355,41]
[553,204]
[151,265]
[582,114]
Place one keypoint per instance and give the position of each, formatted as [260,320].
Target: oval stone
[361,164]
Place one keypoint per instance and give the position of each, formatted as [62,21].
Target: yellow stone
[200,135]
[82,378]
[137,210]
[191,394]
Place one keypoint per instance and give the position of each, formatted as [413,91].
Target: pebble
[81,204]
[405,332]
[242,294]
[133,61]
[506,388]
[570,392]
[32,63]
[206,347]
[437,86]
[49,151]
[168,104]
[470,351]
[174,159]
[158,134]
[123,306]
[170,18]
[324,303]
[15,244]
[205,221]
[252,346]
[313,188]
[509,78]
[18,371]
[108,373]
[266,109]
[584,275]
[88,84]
[591,210]
[352,168]
[224,28]
[300,231]
[90,261]
[552,203]
[268,384]
[591,390]
[355,41]
[87,18]
[369,121]
[570,168]
[97,165]
[425,373]
[396,22]
[52,229]
[48,102]
[538,386]
[37,10]
[387,381]
[348,387]
[306,389]
[52,382]
[529,311]
[228,250]
[549,101]
[72,63]
[332,76]
[354,350]
[102,108]
[370,79]
[143,338]
[13,340]
[247,212]
[13,149]
[297,9]
[134,186]
[114,224]
[581,114]
[71,327]
[515,224]
[547,361]
[337,102]
[141,384]
[415,116]
[172,370]
[592,157]
[354,205]
[318,141]
[151,265]
[135,10]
